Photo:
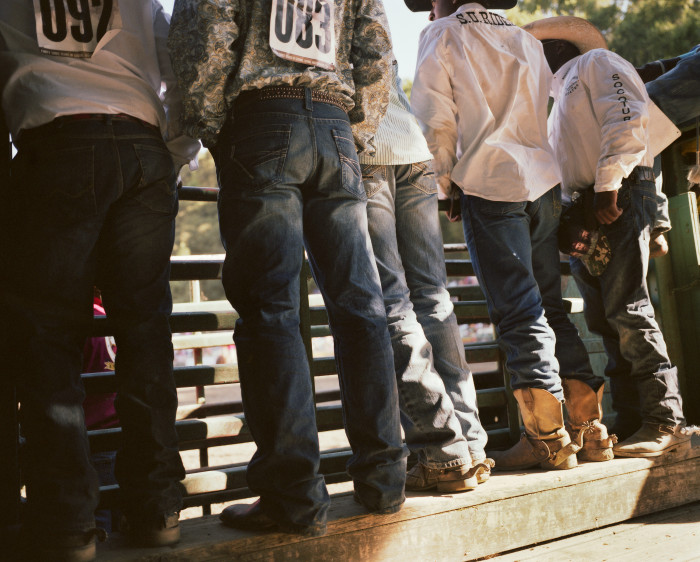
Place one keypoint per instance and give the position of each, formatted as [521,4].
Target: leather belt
[641,173]
[287,92]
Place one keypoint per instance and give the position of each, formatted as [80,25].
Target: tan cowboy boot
[583,407]
[653,440]
[545,441]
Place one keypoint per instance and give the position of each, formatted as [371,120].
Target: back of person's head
[558,52]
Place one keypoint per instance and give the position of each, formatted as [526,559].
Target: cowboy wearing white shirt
[599,129]
[481,91]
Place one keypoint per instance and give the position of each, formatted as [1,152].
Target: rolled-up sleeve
[433,104]
[183,148]
[371,58]
[201,35]
[619,102]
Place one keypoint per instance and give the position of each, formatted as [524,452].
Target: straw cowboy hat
[581,33]
[427,5]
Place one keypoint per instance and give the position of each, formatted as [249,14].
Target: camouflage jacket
[220,48]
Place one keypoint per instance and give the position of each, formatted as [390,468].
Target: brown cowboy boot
[583,407]
[654,440]
[545,441]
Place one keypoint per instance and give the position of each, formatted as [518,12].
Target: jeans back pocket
[350,166]
[256,156]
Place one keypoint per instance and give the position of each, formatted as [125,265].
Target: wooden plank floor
[670,535]
[512,510]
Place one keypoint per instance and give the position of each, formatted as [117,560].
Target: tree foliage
[639,31]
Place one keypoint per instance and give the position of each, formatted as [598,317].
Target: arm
[201,35]
[183,148]
[619,102]
[434,106]
[371,57]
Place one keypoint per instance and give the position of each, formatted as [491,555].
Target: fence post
[9,436]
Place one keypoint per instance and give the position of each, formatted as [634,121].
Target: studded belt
[287,92]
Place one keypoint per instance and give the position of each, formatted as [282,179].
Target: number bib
[73,28]
[304,31]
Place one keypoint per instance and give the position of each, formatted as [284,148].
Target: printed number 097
[79,11]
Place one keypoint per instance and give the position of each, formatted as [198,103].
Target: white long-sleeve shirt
[480,93]
[58,64]
[598,125]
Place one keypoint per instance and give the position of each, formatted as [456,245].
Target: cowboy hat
[427,5]
[580,32]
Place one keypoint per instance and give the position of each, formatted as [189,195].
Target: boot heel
[465,485]
[596,455]
[567,463]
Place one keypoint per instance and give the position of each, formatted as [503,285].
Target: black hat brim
[427,5]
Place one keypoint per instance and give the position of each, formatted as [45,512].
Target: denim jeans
[93,202]
[290,180]
[436,388]
[676,91]
[513,248]
[618,308]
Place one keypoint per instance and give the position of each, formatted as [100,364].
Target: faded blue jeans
[513,247]
[290,180]
[436,387]
[643,381]
[93,203]
[676,91]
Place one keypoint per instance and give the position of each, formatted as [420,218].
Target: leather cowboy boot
[583,407]
[653,440]
[545,441]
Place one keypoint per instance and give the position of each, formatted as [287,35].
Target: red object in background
[98,356]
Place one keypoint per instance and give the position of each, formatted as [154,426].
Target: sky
[405,28]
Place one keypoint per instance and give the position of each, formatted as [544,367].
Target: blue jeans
[290,180]
[644,383]
[93,203]
[513,248]
[436,388]
[676,91]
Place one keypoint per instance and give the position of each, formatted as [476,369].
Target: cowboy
[506,178]
[436,388]
[282,94]
[93,202]
[598,128]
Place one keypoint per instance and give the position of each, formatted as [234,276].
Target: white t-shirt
[599,123]
[47,68]
[480,93]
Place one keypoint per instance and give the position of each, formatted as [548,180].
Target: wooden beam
[510,511]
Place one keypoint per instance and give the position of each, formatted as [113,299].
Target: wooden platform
[511,511]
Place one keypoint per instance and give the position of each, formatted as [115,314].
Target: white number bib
[304,31]
[73,28]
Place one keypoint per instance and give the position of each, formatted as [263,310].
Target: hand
[454,213]
[605,206]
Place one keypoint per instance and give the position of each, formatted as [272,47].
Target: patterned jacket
[220,48]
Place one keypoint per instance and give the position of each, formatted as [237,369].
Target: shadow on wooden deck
[510,511]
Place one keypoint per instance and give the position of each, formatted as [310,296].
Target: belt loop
[308,103]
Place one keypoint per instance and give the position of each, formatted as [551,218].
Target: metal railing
[201,425]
